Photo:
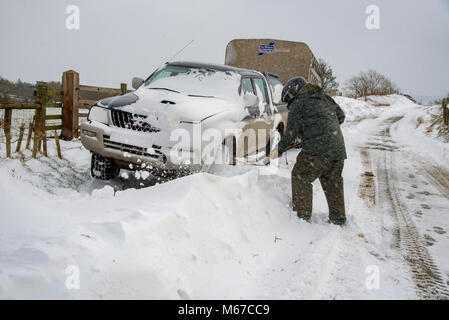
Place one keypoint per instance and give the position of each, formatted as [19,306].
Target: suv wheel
[103,168]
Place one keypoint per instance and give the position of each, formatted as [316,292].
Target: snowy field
[230,233]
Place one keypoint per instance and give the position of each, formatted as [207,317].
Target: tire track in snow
[438,177]
[427,277]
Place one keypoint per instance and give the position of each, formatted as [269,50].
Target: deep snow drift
[229,233]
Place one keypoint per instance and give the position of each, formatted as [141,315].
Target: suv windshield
[203,82]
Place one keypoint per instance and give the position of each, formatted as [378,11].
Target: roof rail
[270,74]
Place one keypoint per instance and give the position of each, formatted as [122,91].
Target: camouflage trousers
[307,170]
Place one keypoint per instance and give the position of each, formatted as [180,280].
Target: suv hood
[163,103]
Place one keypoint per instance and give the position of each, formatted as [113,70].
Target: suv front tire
[103,168]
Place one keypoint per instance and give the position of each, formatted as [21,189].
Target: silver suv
[185,116]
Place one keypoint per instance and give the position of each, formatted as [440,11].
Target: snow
[203,82]
[277,93]
[226,234]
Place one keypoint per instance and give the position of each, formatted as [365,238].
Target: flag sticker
[271,48]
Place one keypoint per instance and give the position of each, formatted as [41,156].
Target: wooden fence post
[58,146]
[30,132]
[44,114]
[70,102]
[19,142]
[36,134]
[7,130]
[39,121]
[123,88]
[445,112]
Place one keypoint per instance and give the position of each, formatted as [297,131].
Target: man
[315,118]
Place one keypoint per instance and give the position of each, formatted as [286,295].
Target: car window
[170,71]
[260,87]
[276,89]
[247,86]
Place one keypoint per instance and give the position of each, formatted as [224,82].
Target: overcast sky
[120,39]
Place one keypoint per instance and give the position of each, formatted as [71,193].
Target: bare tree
[328,79]
[368,83]
[353,87]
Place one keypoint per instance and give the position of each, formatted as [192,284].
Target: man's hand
[297,144]
[273,154]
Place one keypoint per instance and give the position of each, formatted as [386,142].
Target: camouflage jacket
[315,118]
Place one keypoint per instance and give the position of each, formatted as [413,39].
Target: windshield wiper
[165,89]
[197,95]
[190,95]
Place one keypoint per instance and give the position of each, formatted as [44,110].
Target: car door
[279,107]
[264,123]
[247,141]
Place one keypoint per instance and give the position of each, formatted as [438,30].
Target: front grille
[128,120]
[140,151]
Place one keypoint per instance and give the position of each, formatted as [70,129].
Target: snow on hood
[165,109]
[198,97]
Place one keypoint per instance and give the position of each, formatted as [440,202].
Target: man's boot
[337,221]
[306,217]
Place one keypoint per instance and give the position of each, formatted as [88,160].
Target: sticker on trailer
[271,48]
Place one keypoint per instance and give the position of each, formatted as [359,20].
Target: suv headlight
[98,114]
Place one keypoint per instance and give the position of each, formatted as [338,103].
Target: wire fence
[24,116]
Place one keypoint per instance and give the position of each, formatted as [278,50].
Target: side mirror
[137,82]
[250,100]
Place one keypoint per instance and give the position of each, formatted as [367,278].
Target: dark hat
[292,86]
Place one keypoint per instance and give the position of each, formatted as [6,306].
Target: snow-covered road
[395,184]
[231,233]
